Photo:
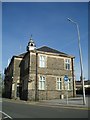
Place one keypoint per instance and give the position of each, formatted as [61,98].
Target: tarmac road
[37,110]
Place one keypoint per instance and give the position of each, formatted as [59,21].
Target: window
[67,64]
[69,84]
[59,84]
[42,62]
[31,44]
[42,83]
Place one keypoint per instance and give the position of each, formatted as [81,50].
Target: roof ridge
[55,50]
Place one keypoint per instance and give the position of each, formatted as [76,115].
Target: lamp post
[80,55]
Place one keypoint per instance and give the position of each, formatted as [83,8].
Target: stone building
[38,74]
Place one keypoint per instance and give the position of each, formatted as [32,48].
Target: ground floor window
[69,84]
[58,83]
[41,83]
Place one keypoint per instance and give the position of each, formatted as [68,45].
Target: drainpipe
[73,78]
[29,65]
[36,82]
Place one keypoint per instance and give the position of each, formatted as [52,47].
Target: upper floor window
[42,83]
[67,64]
[58,84]
[42,61]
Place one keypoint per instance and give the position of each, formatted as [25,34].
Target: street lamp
[80,55]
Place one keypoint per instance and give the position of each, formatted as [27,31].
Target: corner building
[39,74]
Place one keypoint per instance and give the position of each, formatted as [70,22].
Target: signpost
[66,87]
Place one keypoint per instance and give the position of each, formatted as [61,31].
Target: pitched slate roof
[47,49]
[51,50]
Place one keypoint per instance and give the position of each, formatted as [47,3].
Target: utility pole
[80,55]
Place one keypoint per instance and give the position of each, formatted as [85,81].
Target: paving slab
[77,102]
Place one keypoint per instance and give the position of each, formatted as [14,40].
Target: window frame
[70,84]
[42,82]
[42,61]
[67,62]
[59,83]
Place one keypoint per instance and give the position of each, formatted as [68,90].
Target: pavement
[76,102]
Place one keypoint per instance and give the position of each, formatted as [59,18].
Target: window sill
[41,90]
[68,69]
[70,90]
[59,90]
[42,67]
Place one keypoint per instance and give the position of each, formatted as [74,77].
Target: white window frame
[42,61]
[70,84]
[58,83]
[68,64]
[42,82]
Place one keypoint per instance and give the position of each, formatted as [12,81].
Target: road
[23,110]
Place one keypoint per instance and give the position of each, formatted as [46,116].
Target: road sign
[66,78]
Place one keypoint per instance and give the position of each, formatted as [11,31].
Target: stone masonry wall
[55,68]
[16,76]
[16,73]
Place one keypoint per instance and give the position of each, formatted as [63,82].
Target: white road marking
[7,116]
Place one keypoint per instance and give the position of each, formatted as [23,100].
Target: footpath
[76,102]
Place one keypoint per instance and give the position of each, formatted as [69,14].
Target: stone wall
[16,76]
[17,62]
[51,92]
[55,68]
[23,71]
[24,77]
[31,94]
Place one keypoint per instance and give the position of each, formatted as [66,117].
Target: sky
[0,37]
[48,24]
[45,0]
